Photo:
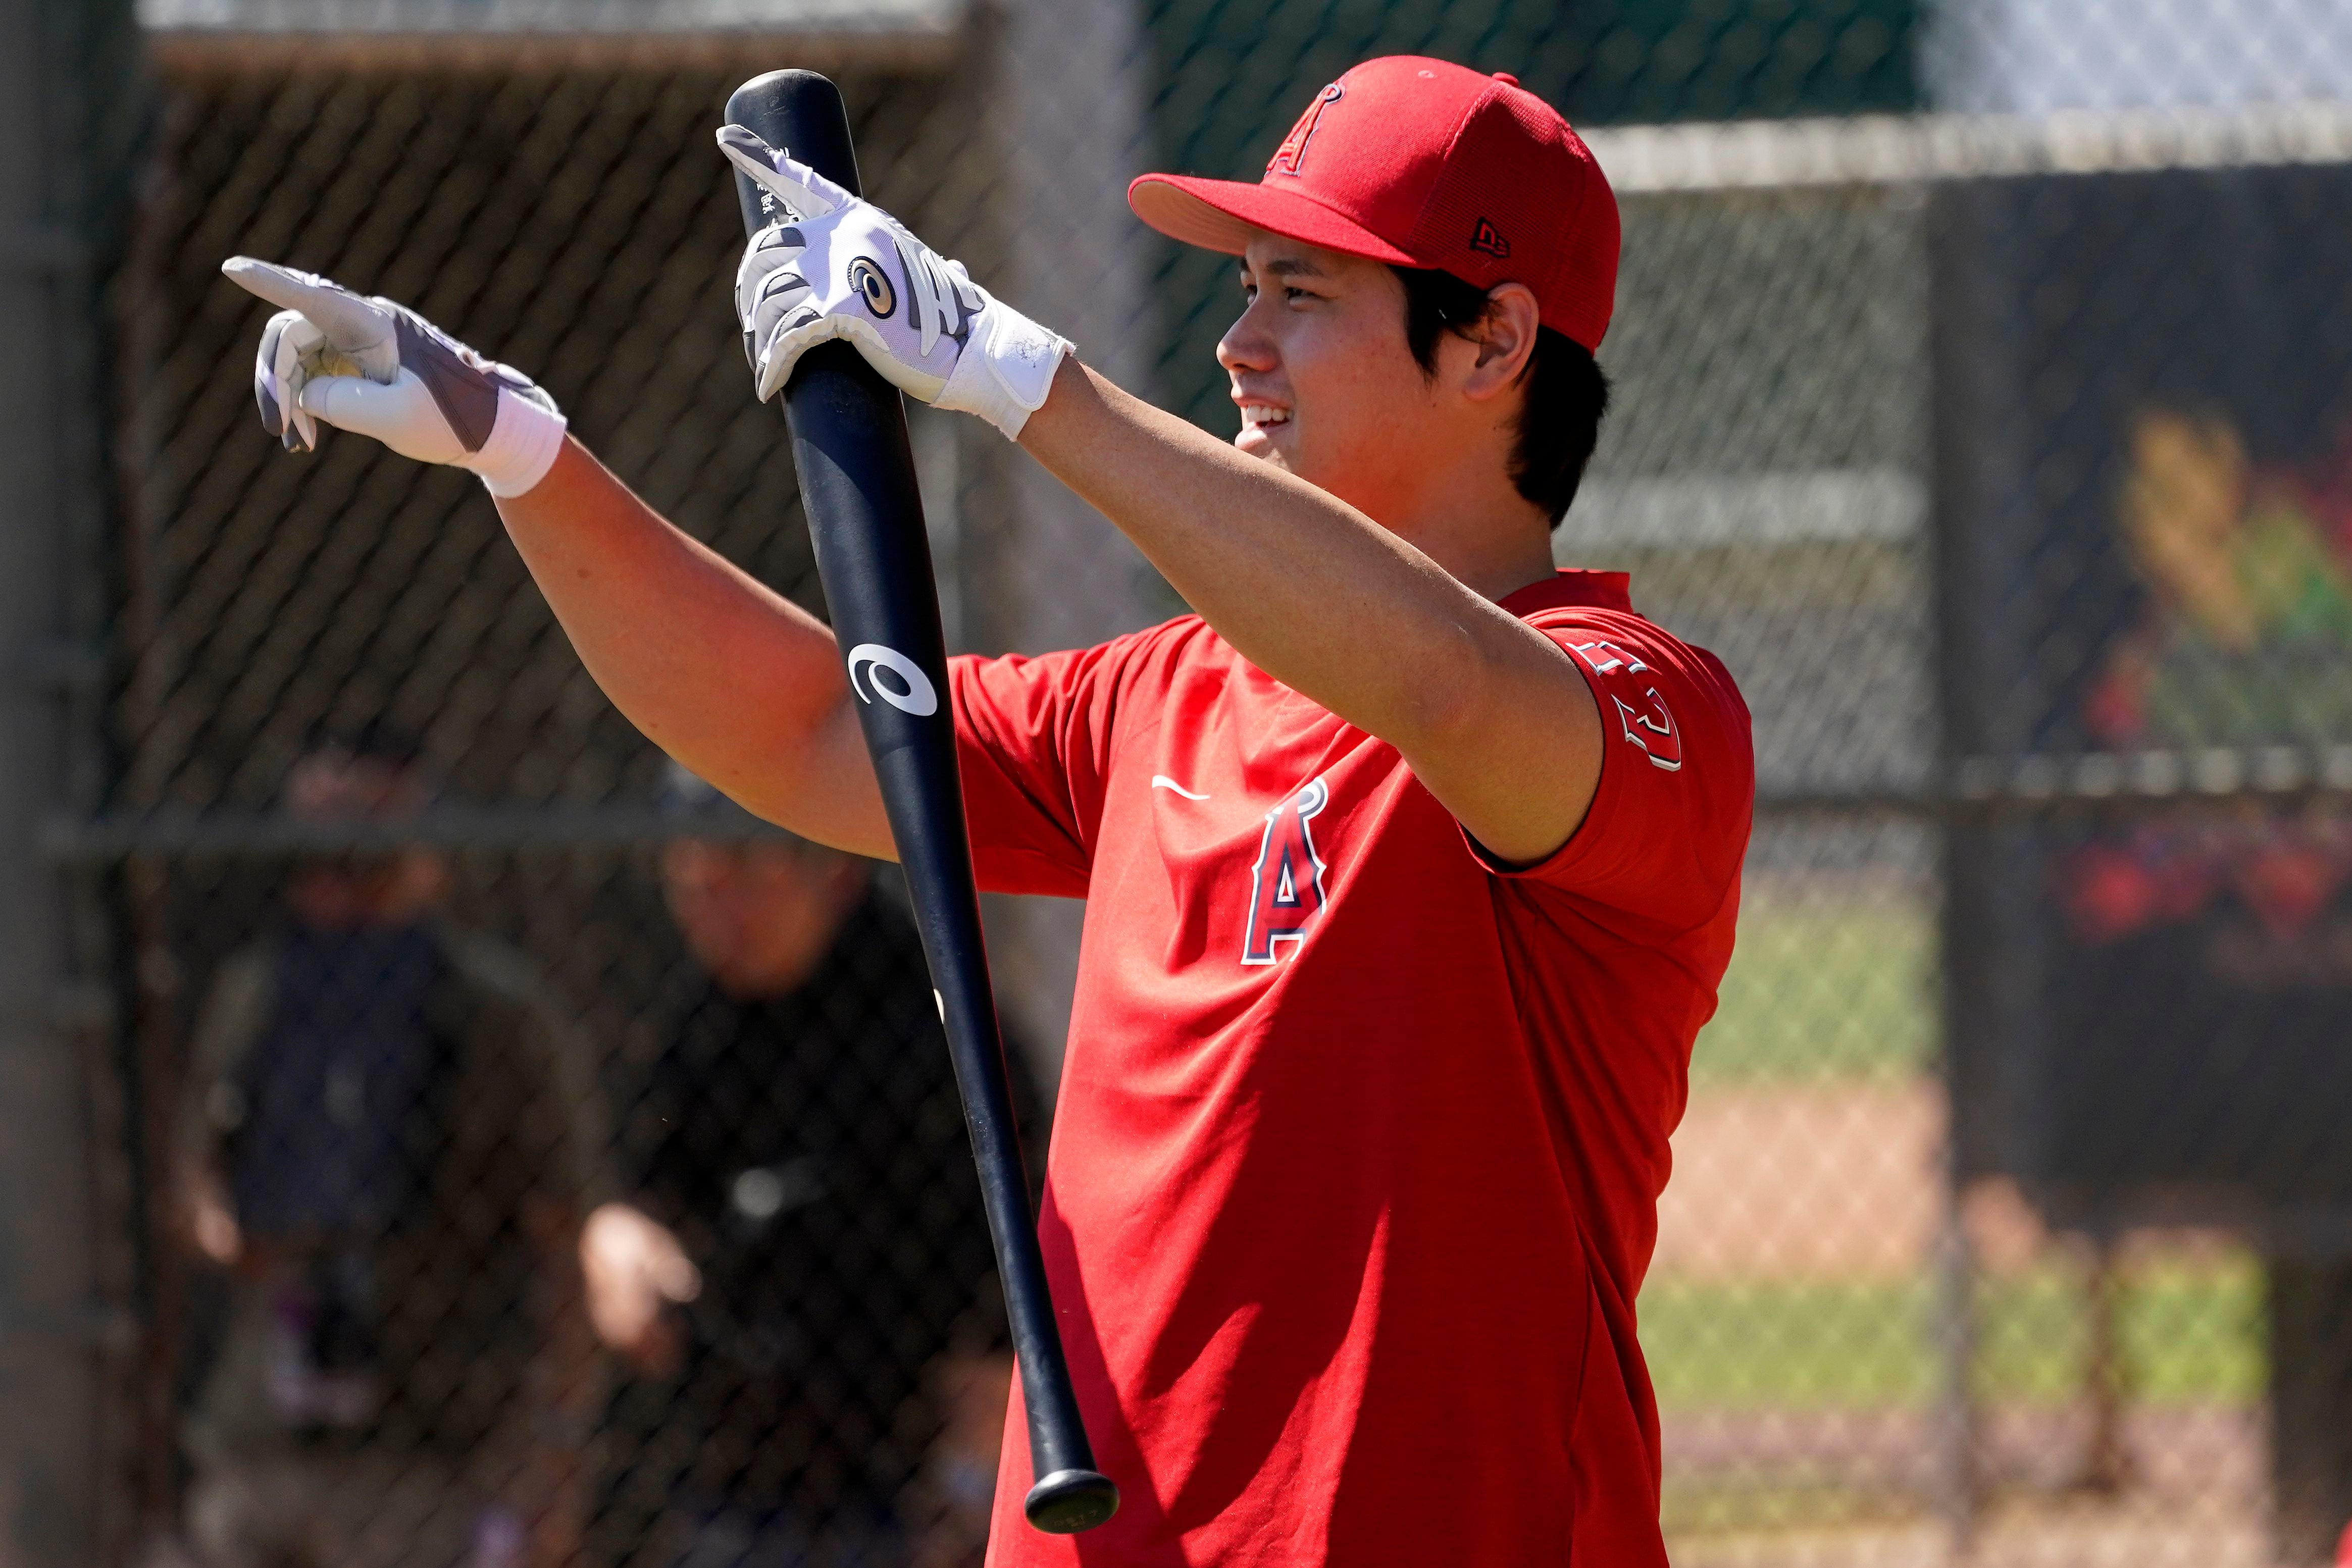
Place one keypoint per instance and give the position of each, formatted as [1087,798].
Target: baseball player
[1411,863]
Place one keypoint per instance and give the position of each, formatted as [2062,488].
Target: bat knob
[1070,1501]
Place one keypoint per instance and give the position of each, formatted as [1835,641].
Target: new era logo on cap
[1420,163]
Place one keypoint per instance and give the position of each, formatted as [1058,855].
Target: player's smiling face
[1326,382]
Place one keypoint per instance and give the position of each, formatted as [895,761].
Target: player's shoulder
[1157,655]
[1605,639]
[1186,639]
[1178,635]
[1671,697]
[1104,684]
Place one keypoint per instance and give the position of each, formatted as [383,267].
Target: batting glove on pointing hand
[837,266]
[378,369]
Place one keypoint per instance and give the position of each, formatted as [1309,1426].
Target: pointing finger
[287,287]
[349,323]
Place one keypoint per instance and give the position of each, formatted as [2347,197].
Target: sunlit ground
[1790,1322]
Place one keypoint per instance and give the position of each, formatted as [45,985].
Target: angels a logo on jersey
[1645,721]
[1286,884]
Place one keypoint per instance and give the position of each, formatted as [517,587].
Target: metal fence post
[1080,259]
[48,1474]
[62,1260]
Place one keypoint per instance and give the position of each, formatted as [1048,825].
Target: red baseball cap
[1419,163]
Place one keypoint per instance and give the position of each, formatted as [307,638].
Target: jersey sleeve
[1662,840]
[1033,739]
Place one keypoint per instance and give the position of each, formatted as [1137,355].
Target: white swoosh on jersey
[1161,781]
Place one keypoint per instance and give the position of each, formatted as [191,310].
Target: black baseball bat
[866,520]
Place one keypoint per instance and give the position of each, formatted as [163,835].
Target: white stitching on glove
[378,369]
[839,266]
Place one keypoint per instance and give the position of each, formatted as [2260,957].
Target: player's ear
[1506,337]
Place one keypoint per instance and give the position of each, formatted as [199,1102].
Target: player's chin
[1270,441]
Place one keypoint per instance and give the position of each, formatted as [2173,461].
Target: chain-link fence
[1981,391]
[539,1160]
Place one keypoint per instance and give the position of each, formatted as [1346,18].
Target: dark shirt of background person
[802,1277]
[386,1142]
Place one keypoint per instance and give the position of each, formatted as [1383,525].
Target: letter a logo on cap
[1293,151]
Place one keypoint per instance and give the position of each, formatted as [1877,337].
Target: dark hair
[1567,392]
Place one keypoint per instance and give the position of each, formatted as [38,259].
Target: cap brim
[1221,215]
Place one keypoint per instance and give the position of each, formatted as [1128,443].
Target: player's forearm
[1306,587]
[734,681]
[723,675]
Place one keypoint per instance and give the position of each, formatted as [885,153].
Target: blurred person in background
[803,1278]
[386,1142]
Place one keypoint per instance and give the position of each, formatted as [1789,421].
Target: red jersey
[1360,1139]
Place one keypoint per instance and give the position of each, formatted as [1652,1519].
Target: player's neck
[1488,538]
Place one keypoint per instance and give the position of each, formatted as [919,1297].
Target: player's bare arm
[731,679]
[1390,624]
[1404,644]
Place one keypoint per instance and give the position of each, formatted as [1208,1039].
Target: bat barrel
[866,521]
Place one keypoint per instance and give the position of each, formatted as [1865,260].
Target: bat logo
[874,285]
[918,696]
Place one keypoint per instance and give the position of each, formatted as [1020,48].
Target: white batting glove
[378,369]
[837,266]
